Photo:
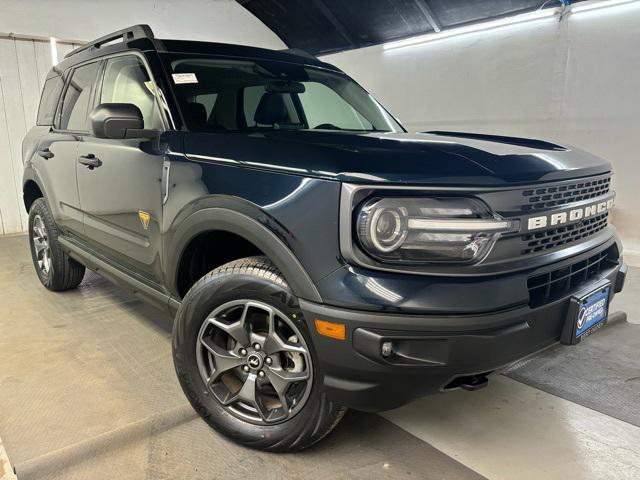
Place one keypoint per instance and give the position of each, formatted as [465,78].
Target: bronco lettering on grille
[567,216]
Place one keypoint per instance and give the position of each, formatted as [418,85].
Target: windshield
[218,95]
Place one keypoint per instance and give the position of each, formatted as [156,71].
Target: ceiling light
[476,27]
[54,51]
[587,6]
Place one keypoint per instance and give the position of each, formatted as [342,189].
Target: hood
[440,158]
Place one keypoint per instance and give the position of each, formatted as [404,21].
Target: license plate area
[587,314]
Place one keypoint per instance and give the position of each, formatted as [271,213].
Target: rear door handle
[45,153]
[90,160]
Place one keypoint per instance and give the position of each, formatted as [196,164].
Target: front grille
[551,286]
[555,196]
[554,237]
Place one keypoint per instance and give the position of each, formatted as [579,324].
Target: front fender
[222,218]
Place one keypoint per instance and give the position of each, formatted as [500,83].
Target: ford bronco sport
[316,255]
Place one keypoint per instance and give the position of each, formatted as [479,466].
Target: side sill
[117,276]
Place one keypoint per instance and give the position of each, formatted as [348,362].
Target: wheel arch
[219,219]
[32,188]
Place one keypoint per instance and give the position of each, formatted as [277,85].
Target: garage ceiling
[326,26]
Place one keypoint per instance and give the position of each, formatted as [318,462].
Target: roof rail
[127,34]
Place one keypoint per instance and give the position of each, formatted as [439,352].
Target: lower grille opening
[555,237]
[550,286]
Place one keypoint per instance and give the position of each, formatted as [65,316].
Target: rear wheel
[244,359]
[55,269]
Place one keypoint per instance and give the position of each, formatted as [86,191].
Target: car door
[121,199]
[55,159]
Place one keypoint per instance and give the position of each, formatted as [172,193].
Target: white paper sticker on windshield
[184,78]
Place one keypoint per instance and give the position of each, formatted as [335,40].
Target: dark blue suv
[316,255]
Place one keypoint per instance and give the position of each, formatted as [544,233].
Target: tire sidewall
[209,293]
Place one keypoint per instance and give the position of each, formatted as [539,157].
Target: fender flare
[30,175]
[223,219]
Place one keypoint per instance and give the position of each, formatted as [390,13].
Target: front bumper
[431,351]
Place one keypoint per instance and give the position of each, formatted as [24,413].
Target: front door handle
[90,160]
[45,153]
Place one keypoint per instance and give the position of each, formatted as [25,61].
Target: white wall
[210,20]
[576,82]
[25,63]
[23,66]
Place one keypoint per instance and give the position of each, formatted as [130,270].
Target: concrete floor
[87,390]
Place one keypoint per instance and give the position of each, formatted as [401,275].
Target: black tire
[256,279]
[64,272]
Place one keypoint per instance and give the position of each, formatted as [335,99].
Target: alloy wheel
[254,361]
[41,247]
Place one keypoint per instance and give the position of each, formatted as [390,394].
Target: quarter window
[49,100]
[126,81]
[76,99]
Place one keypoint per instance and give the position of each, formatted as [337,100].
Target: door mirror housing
[119,121]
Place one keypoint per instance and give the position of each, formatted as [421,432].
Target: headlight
[428,230]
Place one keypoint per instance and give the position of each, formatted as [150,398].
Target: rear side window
[75,105]
[49,100]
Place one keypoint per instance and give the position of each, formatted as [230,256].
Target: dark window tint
[76,99]
[49,100]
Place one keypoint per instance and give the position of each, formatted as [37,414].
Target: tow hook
[473,383]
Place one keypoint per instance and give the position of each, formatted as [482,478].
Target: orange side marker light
[331,329]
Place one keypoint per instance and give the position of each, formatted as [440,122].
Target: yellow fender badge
[144,219]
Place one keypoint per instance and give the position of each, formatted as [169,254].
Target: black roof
[231,50]
[141,37]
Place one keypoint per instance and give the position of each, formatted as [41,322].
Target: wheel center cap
[255,361]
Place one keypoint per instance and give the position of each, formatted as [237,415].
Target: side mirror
[118,121]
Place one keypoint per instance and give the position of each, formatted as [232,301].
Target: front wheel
[244,359]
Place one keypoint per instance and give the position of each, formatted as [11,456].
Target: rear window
[49,100]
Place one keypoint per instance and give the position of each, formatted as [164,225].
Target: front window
[126,81]
[218,95]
